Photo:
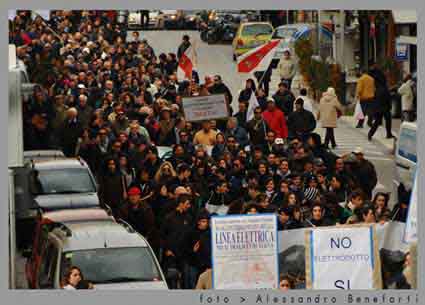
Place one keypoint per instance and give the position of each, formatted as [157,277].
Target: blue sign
[401,51]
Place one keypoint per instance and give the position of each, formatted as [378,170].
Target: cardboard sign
[244,252]
[410,233]
[209,107]
[343,257]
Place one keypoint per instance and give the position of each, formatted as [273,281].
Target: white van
[406,156]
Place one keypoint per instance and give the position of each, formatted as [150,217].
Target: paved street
[218,59]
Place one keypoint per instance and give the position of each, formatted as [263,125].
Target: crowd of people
[114,102]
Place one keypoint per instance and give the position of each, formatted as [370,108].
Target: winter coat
[301,122]
[240,135]
[284,101]
[68,136]
[287,68]
[407,97]
[327,114]
[277,122]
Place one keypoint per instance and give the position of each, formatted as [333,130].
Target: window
[63,181]
[47,272]
[113,265]
[285,32]
[256,29]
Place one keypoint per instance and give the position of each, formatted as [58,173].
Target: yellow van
[251,35]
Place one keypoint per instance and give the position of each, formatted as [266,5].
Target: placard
[208,107]
[410,233]
[244,252]
[343,257]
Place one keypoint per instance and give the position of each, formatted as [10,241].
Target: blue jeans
[190,276]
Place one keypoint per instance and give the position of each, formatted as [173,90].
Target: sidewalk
[380,135]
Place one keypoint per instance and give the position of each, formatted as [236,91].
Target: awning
[404,16]
[407,39]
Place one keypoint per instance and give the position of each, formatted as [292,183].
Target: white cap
[358,150]
[278,141]
[81,86]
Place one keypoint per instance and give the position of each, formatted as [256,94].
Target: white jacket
[406,93]
[286,68]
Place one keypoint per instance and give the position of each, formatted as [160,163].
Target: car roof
[43,153]
[255,23]
[96,235]
[59,163]
[77,215]
[409,125]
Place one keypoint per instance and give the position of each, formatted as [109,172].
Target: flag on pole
[253,103]
[186,64]
[257,59]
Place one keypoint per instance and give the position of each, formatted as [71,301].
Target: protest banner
[343,257]
[208,107]
[244,252]
[410,233]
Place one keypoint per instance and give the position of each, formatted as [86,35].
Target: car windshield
[113,265]
[63,181]
[256,29]
[284,32]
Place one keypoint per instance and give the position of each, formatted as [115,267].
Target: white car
[110,255]
[406,156]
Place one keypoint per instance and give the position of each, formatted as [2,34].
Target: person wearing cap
[328,114]
[284,98]
[275,119]
[301,122]
[365,173]
[287,68]
[138,213]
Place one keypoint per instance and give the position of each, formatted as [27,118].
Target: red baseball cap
[134,191]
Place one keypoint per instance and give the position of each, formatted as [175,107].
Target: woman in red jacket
[275,119]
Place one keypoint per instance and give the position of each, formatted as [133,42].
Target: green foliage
[318,74]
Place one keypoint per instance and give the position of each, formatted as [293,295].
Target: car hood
[67,201]
[132,285]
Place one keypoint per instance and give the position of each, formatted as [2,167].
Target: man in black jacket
[174,231]
[301,122]
[220,88]
[257,128]
[284,99]
[183,46]
[365,173]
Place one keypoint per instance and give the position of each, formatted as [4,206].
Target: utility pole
[342,39]
[319,34]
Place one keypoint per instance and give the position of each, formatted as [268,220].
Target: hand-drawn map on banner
[244,252]
[342,258]
[208,107]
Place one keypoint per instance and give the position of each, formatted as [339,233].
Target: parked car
[135,19]
[171,19]
[192,19]
[290,33]
[63,184]
[406,156]
[251,35]
[44,224]
[221,30]
[110,255]
[42,155]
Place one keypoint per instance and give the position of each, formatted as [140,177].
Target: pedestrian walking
[365,94]
[407,98]
[287,68]
[329,106]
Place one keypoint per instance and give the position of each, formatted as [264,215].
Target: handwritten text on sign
[205,107]
[244,252]
[342,258]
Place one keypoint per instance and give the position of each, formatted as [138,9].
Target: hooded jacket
[327,114]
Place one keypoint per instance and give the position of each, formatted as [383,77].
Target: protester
[116,105]
[407,97]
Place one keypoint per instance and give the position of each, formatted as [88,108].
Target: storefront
[406,39]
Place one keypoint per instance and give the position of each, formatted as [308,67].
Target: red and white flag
[253,103]
[187,63]
[257,59]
